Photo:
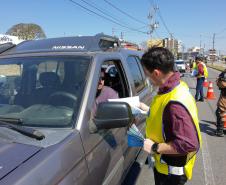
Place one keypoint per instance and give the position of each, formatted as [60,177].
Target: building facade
[155,42]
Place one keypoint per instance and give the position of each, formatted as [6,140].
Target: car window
[111,84]
[180,62]
[136,73]
[50,66]
[43,91]
[114,77]
[141,68]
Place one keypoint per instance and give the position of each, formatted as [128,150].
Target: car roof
[80,44]
[99,42]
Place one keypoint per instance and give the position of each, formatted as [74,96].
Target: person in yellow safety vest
[206,73]
[194,65]
[193,68]
[202,73]
[172,126]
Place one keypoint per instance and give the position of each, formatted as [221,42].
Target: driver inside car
[103,92]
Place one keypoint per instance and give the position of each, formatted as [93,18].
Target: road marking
[208,171]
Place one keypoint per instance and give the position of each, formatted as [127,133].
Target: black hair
[158,58]
[198,58]
[102,70]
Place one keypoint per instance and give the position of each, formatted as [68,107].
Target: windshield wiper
[17,121]
[30,132]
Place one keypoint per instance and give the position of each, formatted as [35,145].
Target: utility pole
[213,40]
[182,52]
[122,35]
[151,16]
[200,44]
[113,32]
[213,53]
[204,49]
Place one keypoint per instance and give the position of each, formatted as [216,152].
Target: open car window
[43,91]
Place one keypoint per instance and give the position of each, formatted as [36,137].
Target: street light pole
[213,60]
[213,40]
[200,44]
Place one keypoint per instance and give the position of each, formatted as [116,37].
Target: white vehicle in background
[181,65]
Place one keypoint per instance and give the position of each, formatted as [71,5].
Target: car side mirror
[113,115]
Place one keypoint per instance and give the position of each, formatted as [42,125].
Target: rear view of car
[181,65]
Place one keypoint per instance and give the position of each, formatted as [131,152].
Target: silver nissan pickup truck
[48,134]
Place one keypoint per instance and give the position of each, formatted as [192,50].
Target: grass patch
[219,68]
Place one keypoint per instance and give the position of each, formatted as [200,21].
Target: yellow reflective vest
[205,70]
[194,66]
[154,125]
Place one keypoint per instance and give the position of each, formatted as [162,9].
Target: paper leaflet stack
[134,137]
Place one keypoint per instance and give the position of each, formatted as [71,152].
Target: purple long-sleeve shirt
[177,122]
[105,94]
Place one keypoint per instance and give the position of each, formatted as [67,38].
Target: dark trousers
[220,124]
[199,88]
[161,179]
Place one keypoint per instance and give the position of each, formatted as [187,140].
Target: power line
[152,2]
[93,5]
[103,12]
[221,31]
[157,34]
[164,24]
[153,24]
[140,28]
[162,20]
[106,18]
[123,12]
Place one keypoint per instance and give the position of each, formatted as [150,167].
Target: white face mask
[153,87]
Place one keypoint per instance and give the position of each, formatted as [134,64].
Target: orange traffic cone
[210,93]
[205,84]
[224,120]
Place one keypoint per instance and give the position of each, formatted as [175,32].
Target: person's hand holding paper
[134,103]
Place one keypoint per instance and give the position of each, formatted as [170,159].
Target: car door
[139,88]
[102,148]
[129,80]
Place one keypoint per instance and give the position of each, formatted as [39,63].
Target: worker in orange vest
[202,73]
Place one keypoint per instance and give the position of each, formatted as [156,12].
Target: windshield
[42,91]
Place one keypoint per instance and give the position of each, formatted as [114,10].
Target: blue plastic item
[135,141]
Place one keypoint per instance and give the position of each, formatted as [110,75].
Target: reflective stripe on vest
[154,126]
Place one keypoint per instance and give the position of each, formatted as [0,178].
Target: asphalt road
[210,165]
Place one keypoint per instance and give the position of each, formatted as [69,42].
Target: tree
[26,31]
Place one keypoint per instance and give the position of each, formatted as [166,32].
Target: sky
[194,22]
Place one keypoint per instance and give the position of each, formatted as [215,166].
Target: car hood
[13,155]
